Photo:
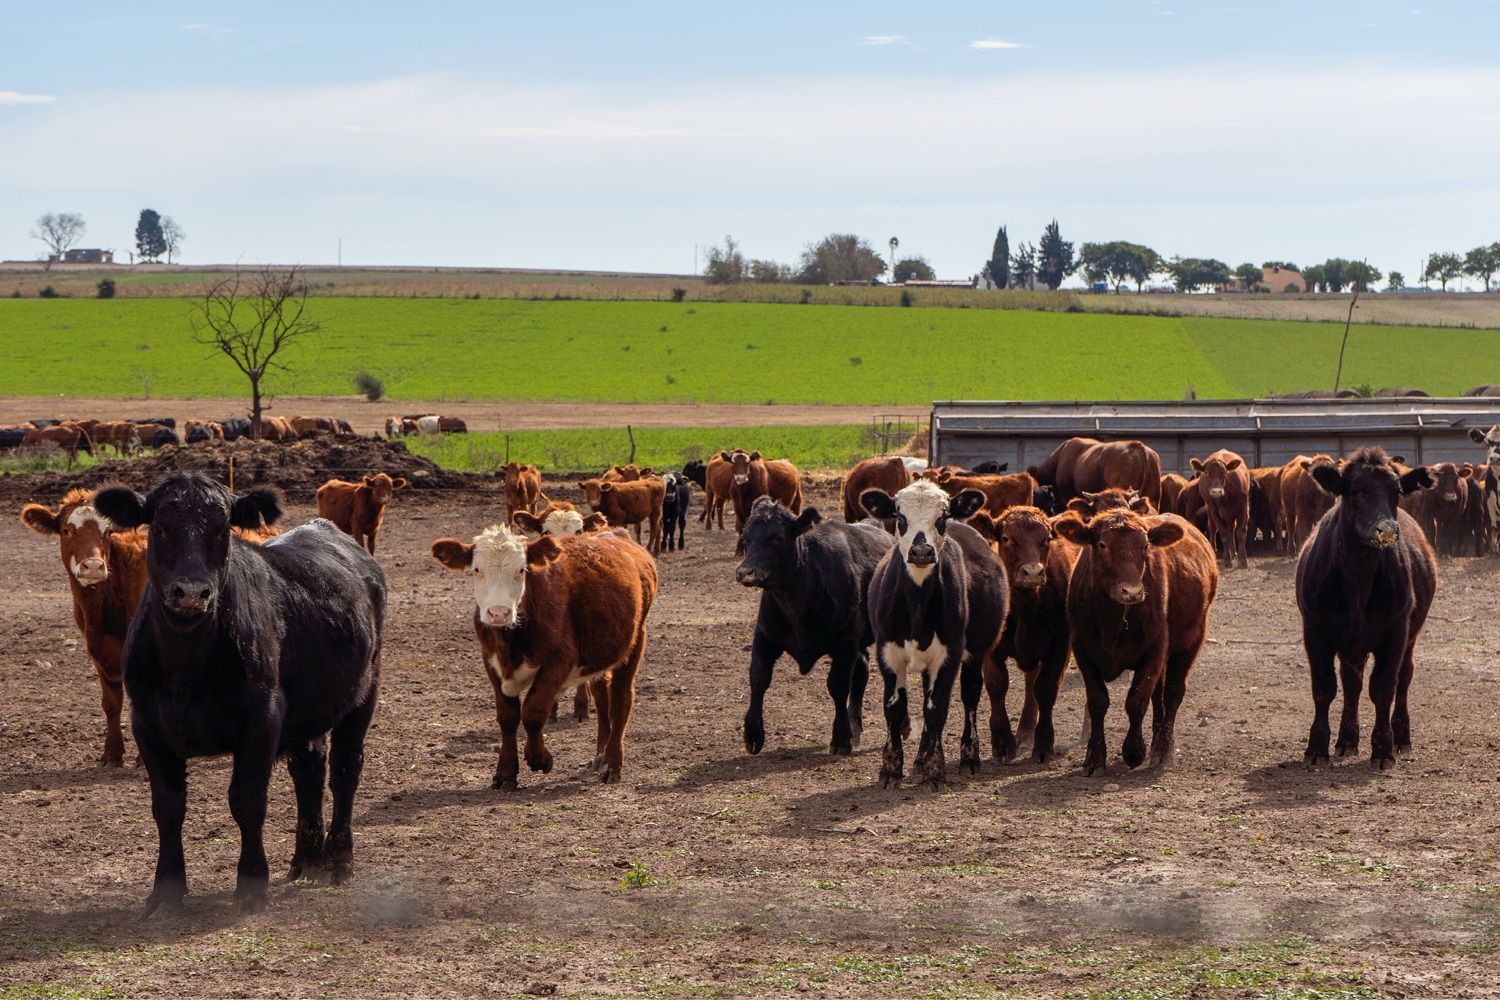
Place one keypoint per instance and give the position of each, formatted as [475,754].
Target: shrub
[906,298]
[15,293]
[50,293]
[806,296]
[369,386]
[107,288]
[678,294]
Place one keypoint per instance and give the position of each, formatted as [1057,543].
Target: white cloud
[886,40]
[996,43]
[15,97]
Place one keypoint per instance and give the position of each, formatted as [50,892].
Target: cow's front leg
[839,674]
[168,774]
[535,709]
[891,660]
[247,804]
[508,766]
[763,655]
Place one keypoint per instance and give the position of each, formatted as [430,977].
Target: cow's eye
[1004,539]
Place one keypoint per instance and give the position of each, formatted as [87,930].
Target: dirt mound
[297,468]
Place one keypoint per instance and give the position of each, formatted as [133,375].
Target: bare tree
[250,318]
[60,231]
[172,236]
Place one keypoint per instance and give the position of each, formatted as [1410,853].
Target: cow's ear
[805,521]
[1072,528]
[982,522]
[762,501]
[1197,465]
[365,481]
[878,503]
[647,471]
[1081,505]
[1165,532]
[725,456]
[542,551]
[1140,504]
[527,521]
[606,487]
[42,520]
[1002,467]
[943,476]
[1466,471]
[452,553]
[248,510]
[1233,463]
[124,507]
[1476,435]
[400,483]
[1417,479]
[595,522]
[1328,477]
[966,503]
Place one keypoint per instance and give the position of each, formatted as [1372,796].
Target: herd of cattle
[233,638]
[129,437]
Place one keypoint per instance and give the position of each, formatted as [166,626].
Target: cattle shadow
[30,934]
[1290,784]
[748,767]
[413,804]
[65,778]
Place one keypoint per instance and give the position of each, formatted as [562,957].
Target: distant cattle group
[950,576]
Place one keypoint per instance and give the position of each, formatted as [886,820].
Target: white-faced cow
[937,606]
[1489,482]
[257,651]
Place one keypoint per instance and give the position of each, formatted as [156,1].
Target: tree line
[845,257]
[157,236]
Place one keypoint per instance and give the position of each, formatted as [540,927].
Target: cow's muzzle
[1216,492]
[749,576]
[921,554]
[1128,593]
[1387,533]
[190,598]
[1031,575]
[91,572]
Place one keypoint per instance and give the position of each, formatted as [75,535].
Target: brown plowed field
[709,873]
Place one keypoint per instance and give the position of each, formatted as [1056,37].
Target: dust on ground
[708,872]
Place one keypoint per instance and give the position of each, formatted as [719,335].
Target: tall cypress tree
[150,242]
[1054,257]
[999,263]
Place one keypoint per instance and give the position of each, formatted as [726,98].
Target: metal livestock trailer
[1263,431]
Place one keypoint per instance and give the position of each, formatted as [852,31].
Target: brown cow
[452,425]
[1114,498]
[718,484]
[69,439]
[629,504]
[306,427]
[1224,485]
[1080,464]
[121,435]
[1443,504]
[756,477]
[1039,565]
[107,575]
[889,474]
[1302,502]
[1138,600]
[276,429]
[523,487]
[1001,492]
[203,430]
[358,508]
[555,612]
[561,519]
[625,473]
[1171,486]
[1268,479]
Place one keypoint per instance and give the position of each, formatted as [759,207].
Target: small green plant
[637,876]
[106,288]
[678,294]
[856,361]
[906,297]
[369,386]
[806,296]
[50,293]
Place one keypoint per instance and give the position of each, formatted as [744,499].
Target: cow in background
[106,572]
[1440,510]
[523,487]
[756,477]
[674,510]
[889,474]
[359,508]
[630,504]
[1080,464]
[67,439]
[204,430]
[1489,477]
[1302,502]
[1224,485]
[718,484]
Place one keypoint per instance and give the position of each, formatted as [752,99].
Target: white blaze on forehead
[922,504]
[86,514]
[499,569]
[562,523]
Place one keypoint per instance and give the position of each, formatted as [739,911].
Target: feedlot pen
[710,873]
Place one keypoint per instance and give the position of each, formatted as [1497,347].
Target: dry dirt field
[710,873]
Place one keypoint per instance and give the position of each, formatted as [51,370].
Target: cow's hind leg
[581,703]
[971,686]
[308,766]
[1384,679]
[1352,674]
[346,762]
[1400,718]
[1026,727]
[1048,679]
[621,701]
[600,686]
[859,678]
[1172,690]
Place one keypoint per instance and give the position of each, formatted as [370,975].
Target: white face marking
[922,504]
[499,572]
[1492,446]
[904,656]
[562,523]
[83,515]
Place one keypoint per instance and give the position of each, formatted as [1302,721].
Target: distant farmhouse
[90,256]
[1277,280]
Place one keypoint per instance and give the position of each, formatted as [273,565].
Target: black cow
[989,468]
[1365,580]
[674,510]
[164,421]
[937,605]
[814,577]
[696,472]
[161,437]
[1044,498]
[255,651]
[235,428]
[344,428]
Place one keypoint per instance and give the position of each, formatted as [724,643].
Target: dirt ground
[710,873]
[367,418]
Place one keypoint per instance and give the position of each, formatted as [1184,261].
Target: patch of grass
[637,876]
[457,348]
[54,991]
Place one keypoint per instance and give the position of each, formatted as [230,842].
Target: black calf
[674,511]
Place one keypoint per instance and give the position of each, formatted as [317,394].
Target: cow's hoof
[1346,749]
[609,775]
[541,760]
[581,714]
[112,760]
[251,900]
[1311,760]
[1092,767]
[1041,755]
[340,872]
[839,751]
[168,902]
[1133,753]
[755,737]
[1161,758]
[504,784]
[1382,763]
[1403,750]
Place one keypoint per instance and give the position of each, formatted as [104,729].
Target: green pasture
[461,349]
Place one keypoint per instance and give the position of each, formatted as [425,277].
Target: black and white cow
[257,651]
[937,606]
[674,510]
[1490,484]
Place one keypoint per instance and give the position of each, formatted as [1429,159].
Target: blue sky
[609,135]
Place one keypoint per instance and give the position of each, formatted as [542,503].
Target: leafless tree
[171,236]
[60,231]
[250,317]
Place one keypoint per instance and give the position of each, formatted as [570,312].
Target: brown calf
[1269,480]
[70,439]
[629,504]
[1114,498]
[312,426]
[107,575]
[553,613]
[276,429]
[1039,566]
[1171,487]
[625,473]
[1224,485]
[358,508]
[889,474]
[1302,502]
[1001,492]
[718,484]
[1444,503]
[523,487]
[1139,601]
[756,477]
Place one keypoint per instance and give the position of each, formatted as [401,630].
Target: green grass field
[437,349]
[834,446]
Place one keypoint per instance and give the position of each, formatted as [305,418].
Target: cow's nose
[191,595]
[497,616]
[1450,496]
[747,576]
[93,569]
[1216,491]
[1387,532]
[921,554]
[1031,574]
[1130,593]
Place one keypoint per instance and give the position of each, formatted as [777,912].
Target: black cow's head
[696,471]
[770,542]
[921,512]
[1368,485]
[187,556]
